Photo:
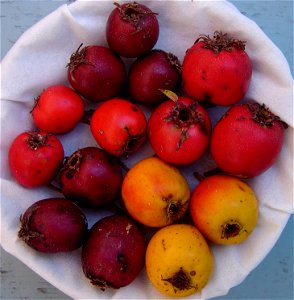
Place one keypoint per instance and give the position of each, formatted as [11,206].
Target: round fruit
[53,225]
[58,109]
[152,72]
[155,193]
[114,253]
[217,69]
[179,131]
[247,140]
[132,29]
[224,209]
[179,261]
[34,158]
[119,127]
[91,177]
[96,73]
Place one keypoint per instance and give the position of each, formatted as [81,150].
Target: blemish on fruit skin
[241,188]
[163,244]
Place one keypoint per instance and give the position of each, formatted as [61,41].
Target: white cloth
[38,60]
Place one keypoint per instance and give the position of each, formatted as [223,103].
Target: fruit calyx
[173,60]
[180,280]
[174,208]
[263,116]
[221,41]
[132,12]
[36,140]
[72,164]
[231,229]
[24,232]
[131,143]
[77,58]
[101,283]
[183,115]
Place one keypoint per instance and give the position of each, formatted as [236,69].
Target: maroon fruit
[152,72]
[114,253]
[247,140]
[91,177]
[132,29]
[53,225]
[34,158]
[96,72]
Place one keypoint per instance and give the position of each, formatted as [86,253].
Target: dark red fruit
[217,69]
[58,109]
[53,225]
[132,29]
[119,127]
[96,72]
[91,177]
[152,72]
[114,253]
[247,140]
[179,130]
[34,158]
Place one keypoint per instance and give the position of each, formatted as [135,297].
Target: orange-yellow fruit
[155,193]
[224,209]
[179,261]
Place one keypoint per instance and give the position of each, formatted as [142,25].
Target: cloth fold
[38,59]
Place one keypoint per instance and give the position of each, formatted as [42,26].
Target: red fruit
[91,177]
[217,70]
[35,158]
[96,73]
[179,131]
[132,29]
[58,109]
[119,127]
[114,253]
[247,140]
[154,71]
[53,225]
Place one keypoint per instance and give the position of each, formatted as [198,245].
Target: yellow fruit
[179,261]
[224,209]
[155,193]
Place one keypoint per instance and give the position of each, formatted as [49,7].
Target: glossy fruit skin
[58,109]
[119,127]
[219,203]
[179,261]
[132,29]
[91,177]
[155,193]
[222,79]
[96,73]
[34,158]
[151,72]
[177,141]
[243,147]
[113,255]
[53,225]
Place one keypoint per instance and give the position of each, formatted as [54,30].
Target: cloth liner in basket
[38,60]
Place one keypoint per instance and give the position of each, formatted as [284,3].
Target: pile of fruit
[157,222]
